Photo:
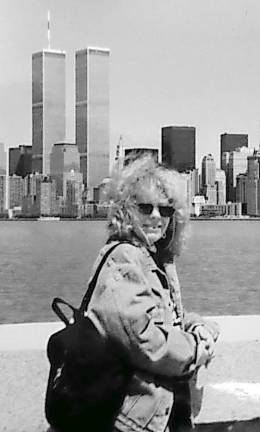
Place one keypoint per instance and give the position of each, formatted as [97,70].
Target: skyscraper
[241,192]
[4,170]
[72,193]
[230,142]
[208,179]
[3,167]
[191,179]
[92,115]
[20,160]
[16,191]
[31,202]
[64,158]
[253,184]
[2,193]
[48,106]
[237,165]
[221,186]
[48,199]
[208,170]
[178,147]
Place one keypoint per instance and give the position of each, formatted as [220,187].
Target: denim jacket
[132,304]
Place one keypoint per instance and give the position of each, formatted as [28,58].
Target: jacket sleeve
[128,311]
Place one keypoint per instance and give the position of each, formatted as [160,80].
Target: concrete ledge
[27,336]
[227,394]
[32,336]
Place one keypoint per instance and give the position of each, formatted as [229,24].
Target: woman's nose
[155,213]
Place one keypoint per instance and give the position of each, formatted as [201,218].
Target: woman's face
[152,212]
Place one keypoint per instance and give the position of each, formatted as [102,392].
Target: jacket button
[167,411]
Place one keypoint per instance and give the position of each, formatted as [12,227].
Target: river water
[219,269]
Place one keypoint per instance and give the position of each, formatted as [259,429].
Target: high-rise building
[221,186]
[192,185]
[224,166]
[14,156]
[253,184]
[241,192]
[92,115]
[16,191]
[72,192]
[63,159]
[48,201]
[178,147]
[224,161]
[237,165]
[4,171]
[208,170]
[48,106]
[20,160]
[3,168]
[2,193]
[208,179]
[32,195]
[230,142]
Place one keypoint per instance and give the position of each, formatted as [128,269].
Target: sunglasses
[147,209]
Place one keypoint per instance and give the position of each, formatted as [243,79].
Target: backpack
[89,374]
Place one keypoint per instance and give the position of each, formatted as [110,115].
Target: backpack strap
[92,284]
[77,312]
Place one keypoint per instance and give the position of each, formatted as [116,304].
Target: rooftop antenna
[49,30]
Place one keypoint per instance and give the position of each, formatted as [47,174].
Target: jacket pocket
[142,408]
[129,403]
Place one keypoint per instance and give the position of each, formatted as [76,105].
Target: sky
[173,62]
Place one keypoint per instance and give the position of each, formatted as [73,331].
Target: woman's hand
[213,328]
[204,335]
[205,353]
[193,321]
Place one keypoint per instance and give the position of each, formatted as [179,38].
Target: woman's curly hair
[120,193]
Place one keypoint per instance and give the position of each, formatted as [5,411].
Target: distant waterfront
[89,219]
[219,269]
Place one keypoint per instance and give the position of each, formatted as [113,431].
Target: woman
[137,299]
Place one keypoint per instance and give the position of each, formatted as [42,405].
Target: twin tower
[91,110]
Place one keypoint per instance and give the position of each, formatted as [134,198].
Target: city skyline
[170,65]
